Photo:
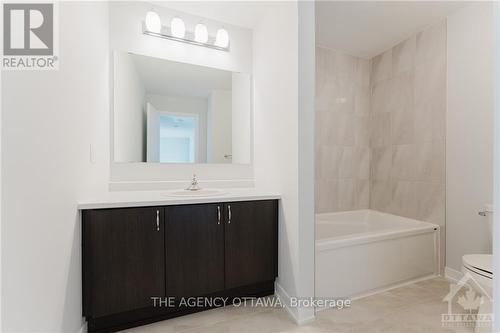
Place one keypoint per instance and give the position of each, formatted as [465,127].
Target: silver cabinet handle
[229,212]
[157,220]
[218,214]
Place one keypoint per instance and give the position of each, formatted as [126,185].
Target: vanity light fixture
[152,26]
[177,27]
[222,38]
[201,33]
[153,22]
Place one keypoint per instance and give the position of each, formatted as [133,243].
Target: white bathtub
[364,251]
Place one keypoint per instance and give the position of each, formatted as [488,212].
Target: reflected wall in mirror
[171,112]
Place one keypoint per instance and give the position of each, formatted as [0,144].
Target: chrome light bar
[189,38]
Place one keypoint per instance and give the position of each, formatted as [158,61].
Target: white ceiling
[164,77]
[244,14]
[367,28]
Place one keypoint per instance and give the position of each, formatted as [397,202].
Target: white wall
[198,106]
[1,200]
[49,121]
[280,162]
[129,116]
[469,138]
[306,68]
[126,35]
[496,168]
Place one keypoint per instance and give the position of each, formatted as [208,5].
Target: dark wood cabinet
[124,260]
[251,234]
[194,250]
[212,250]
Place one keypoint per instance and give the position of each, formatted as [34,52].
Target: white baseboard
[452,274]
[284,298]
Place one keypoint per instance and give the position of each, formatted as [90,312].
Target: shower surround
[342,132]
[380,129]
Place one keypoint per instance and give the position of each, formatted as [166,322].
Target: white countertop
[162,198]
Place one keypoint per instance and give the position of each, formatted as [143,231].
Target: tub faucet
[194,184]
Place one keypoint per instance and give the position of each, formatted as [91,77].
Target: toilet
[480,268]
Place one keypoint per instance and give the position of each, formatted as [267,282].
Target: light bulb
[222,38]
[153,22]
[200,33]
[177,27]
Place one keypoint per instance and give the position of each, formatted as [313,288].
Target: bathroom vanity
[144,253]
[136,253]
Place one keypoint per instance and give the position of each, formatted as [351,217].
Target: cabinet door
[124,259]
[194,250]
[251,242]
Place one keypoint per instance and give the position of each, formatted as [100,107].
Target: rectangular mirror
[172,112]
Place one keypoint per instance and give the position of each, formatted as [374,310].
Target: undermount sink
[198,193]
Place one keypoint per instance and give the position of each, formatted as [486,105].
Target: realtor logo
[29,36]
[28,29]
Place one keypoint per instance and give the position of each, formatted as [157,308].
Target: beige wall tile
[381,97]
[328,162]
[401,93]
[326,128]
[380,130]
[402,127]
[323,96]
[430,202]
[363,68]
[413,92]
[423,123]
[362,100]
[381,163]
[403,199]
[326,196]
[345,129]
[430,81]
[430,120]
[380,195]
[343,66]
[382,67]
[431,43]
[346,163]
[362,131]
[361,163]
[403,162]
[343,95]
[346,194]
[430,161]
[439,118]
[321,73]
[403,56]
[362,194]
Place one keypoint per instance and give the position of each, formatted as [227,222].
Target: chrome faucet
[194,185]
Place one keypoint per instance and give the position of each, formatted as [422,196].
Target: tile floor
[413,308]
